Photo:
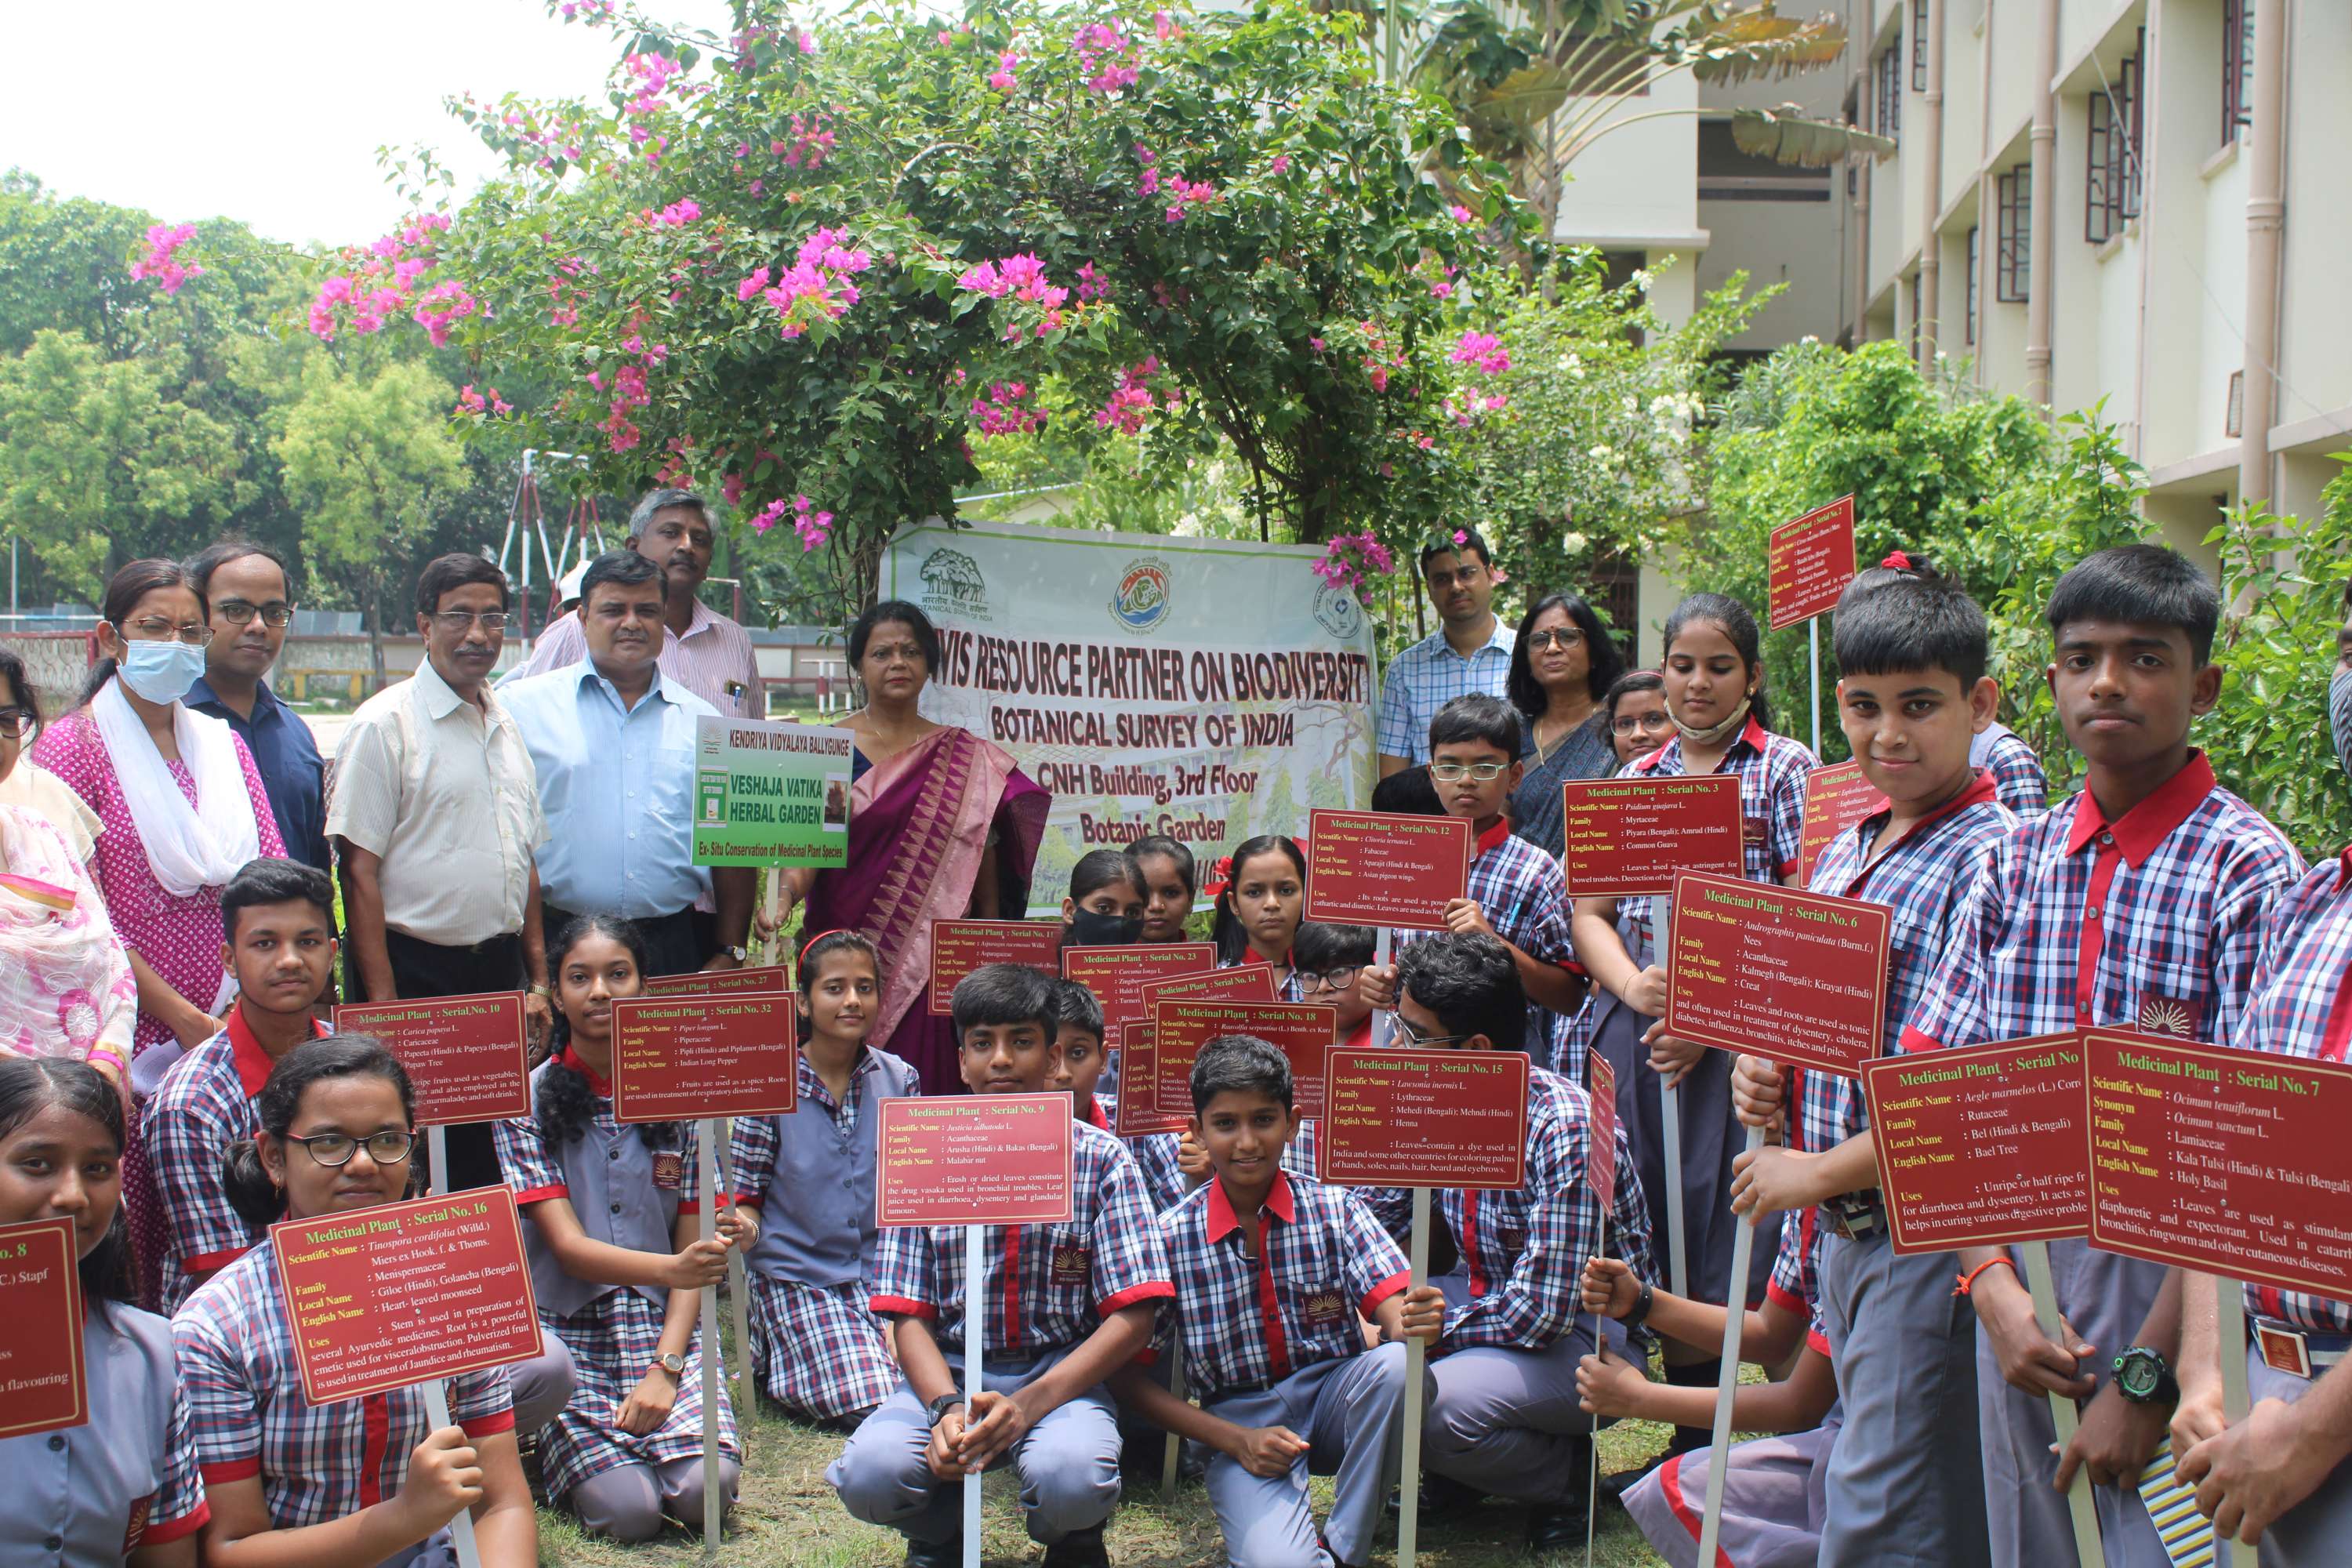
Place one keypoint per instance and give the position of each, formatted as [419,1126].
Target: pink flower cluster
[1188,194]
[629,390]
[1350,560]
[1092,285]
[813,527]
[808,146]
[652,72]
[1019,278]
[1105,53]
[1149,183]
[1001,78]
[678,215]
[586,10]
[1465,406]
[552,140]
[485,402]
[1165,28]
[383,281]
[443,303]
[1378,360]
[1484,350]
[1131,401]
[162,261]
[816,284]
[1004,410]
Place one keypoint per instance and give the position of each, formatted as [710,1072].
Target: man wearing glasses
[1470,651]
[436,816]
[252,602]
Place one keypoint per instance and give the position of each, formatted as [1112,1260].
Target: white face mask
[162,672]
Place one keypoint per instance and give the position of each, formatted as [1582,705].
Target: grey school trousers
[1507,1421]
[2318,1531]
[1905,1480]
[1351,1413]
[1068,1462]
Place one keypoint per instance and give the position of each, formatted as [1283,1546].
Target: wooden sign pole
[714,1496]
[461,1524]
[1669,1097]
[1416,1357]
[2043,1287]
[975,1340]
[1734,1325]
[2237,1398]
[1592,1449]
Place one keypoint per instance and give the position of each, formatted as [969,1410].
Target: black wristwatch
[938,1409]
[1642,1304]
[2142,1377]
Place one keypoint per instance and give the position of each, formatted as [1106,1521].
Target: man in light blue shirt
[1469,651]
[614,746]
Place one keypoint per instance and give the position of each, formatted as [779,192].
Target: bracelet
[1967,1281]
[1642,1304]
[544,993]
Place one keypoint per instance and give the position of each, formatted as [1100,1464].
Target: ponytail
[565,1102]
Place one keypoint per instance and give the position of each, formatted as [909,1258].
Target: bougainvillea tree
[813,265]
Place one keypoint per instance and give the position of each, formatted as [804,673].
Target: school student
[612,1226]
[1504,1418]
[2282,1477]
[277,920]
[361,1483]
[1258,905]
[1774,1504]
[809,1179]
[2138,904]
[1105,905]
[1331,962]
[1911,694]
[1713,685]
[1079,1054]
[122,1486]
[1068,1305]
[1171,882]
[1635,710]
[1273,1272]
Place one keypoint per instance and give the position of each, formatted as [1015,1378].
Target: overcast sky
[271,111]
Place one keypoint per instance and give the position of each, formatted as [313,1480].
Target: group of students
[1911,1420]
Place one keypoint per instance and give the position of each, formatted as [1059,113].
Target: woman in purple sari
[941,826]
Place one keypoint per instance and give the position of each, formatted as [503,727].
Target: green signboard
[769,795]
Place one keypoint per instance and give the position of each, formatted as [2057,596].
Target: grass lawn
[789,1516]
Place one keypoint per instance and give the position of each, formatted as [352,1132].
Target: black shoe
[1443,1495]
[1079,1549]
[1559,1529]
[948,1554]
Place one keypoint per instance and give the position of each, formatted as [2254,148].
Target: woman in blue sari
[1562,664]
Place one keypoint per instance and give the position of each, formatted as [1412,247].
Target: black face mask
[1092,928]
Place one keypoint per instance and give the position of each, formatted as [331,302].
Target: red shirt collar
[1492,836]
[253,1063]
[1224,1222]
[2141,829]
[1752,734]
[1981,789]
[596,1080]
[1095,1112]
[1359,1038]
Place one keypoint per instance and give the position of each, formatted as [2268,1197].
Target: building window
[2013,236]
[1968,327]
[1727,174]
[1888,93]
[2237,68]
[2114,179]
[1918,46]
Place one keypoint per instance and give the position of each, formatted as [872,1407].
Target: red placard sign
[2231,1162]
[1835,799]
[40,1350]
[682,1058]
[975,1159]
[1139,1071]
[401,1293]
[719,982]
[1625,839]
[1424,1118]
[1381,868]
[1243,982]
[1799,977]
[1982,1147]
[464,1054]
[959,947]
[1301,1031]
[1601,1153]
[1810,562]
[1117,975]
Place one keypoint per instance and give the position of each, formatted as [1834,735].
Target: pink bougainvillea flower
[769,515]
[1281,163]
[1460,213]
[162,261]
[1484,350]
[731,487]
[1001,78]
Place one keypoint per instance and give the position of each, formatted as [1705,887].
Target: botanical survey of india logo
[953,585]
[1336,611]
[1140,599]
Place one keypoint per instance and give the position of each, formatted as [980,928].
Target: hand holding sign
[1381,868]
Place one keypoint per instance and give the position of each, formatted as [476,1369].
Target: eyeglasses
[155,628]
[238,613]
[16,723]
[1627,723]
[1556,637]
[1455,773]
[1418,1039]
[1336,979]
[334,1150]
[456,623]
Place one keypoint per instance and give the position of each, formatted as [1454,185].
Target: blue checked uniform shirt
[1796,1281]
[1427,676]
[811,1174]
[1249,1323]
[1046,1286]
[1523,893]
[2016,771]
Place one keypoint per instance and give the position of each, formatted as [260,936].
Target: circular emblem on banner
[1336,611]
[1140,600]
[953,586]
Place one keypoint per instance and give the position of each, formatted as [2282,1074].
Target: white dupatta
[189,849]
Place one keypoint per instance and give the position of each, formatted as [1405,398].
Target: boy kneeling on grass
[1272,1270]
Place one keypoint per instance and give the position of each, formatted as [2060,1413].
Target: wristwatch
[737,954]
[938,1409]
[673,1363]
[2142,1377]
[1642,1304]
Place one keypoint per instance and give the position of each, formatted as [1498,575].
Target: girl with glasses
[182,808]
[1562,662]
[361,1482]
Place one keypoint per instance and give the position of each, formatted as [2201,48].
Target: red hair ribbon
[1220,875]
[1896,560]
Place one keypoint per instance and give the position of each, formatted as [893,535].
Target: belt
[1855,1216]
[2301,1352]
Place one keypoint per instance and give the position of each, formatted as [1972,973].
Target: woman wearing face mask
[66,987]
[183,809]
[1105,905]
[122,1488]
